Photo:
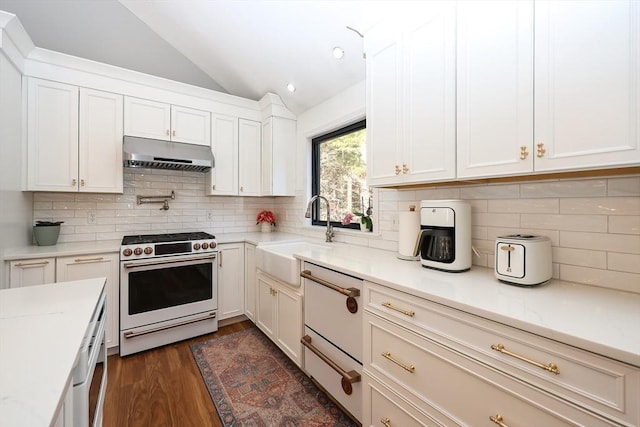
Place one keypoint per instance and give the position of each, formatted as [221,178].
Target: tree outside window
[339,173]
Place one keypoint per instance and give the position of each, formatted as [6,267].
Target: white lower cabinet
[30,272]
[250,281]
[230,280]
[91,266]
[279,314]
[443,366]
[64,417]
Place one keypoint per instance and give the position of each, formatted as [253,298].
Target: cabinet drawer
[384,405]
[458,386]
[598,383]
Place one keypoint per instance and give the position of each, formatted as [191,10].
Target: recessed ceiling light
[338,52]
[291,87]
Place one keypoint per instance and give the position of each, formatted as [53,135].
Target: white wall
[15,206]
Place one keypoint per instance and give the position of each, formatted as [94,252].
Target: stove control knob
[148,250]
[137,251]
[127,252]
[196,246]
[205,245]
[212,245]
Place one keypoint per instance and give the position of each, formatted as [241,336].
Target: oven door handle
[350,292]
[348,377]
[174,325]
[165,261]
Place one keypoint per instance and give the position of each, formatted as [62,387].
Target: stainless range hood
[158,154]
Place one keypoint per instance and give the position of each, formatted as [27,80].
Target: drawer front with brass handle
[601,384]
[388,409]
[468,391]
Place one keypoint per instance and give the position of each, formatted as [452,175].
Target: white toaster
[523,259]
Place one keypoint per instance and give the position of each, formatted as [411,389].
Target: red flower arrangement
[266,216]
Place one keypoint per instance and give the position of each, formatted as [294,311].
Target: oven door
[160,289]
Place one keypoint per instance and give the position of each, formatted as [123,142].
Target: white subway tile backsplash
[624,224]
[601,205]
[593,224]
[627,186]
[565,188]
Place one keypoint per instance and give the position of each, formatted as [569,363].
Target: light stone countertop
[41,330]
[596,319]
[602,321]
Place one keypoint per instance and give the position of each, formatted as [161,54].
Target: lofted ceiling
[242,47]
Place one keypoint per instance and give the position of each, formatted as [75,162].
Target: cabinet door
[249,157]
[222,180]
[52,136]
[91,266]
[147,119]
[289,322]
[190,125]
[495,88]
[32,272]
[278,147]
[100,147]
[429,67]
[586,92]
[384,104]
[265,305]
[250,281]
[230,280]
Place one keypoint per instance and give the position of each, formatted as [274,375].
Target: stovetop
[166,238]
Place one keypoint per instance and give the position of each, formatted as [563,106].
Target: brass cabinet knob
[523,152]
[405,169]
[541,150]
[74,182]
[398,170]
[174,133]
[82,182]
[385,421]
[168,132]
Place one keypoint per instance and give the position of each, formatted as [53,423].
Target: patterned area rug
[252,383]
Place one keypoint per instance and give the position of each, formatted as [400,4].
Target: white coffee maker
[444,240]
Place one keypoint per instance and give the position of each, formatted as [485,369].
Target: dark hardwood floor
[161,387]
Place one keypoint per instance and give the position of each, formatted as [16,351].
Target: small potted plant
[267,221]
[366,223]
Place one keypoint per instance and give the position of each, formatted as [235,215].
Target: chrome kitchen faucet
[329,232]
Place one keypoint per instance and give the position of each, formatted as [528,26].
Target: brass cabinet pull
[409,313]
[523,152]
[99,258]
[273,291]
[74,182]
[350,292]
[405,169]
[168,132]
[541,150]
[174,133]
[409,368]
[551,367]
[507,248]
[348,377]
[220,253]
[398,170]
[241,189]
[82,182]
[131,334]
[30,264]
[385,421]
[498,420]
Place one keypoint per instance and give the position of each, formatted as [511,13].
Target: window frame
[315,171]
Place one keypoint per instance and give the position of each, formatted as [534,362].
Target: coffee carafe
[444,240]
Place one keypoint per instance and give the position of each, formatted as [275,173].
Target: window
[339,173]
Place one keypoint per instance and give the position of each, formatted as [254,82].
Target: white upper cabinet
[157,120]
[52,136]
[494,88]
[249,137]
[278,147]
[222,180]
[190,125]
[100,147]
[586,86]
[411,97]
[74,138]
